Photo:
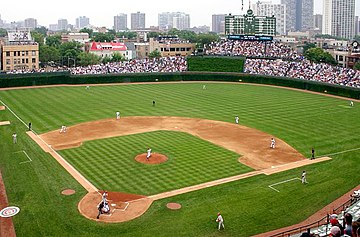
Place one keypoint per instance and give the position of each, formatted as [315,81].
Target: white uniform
[14,136]
[118,115]
[351,103]
[220,220]
[272,145]
[204,87]
[303,177]
[148,153]
[104,197]
[63,129]
[236,119]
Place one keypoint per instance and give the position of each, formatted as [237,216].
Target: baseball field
[34,179]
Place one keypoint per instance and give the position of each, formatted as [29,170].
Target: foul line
[14,114]
[271,186]
[65,161]
[341,152]
[26,156]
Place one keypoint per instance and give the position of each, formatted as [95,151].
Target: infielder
[272,145]
[117,115]
[63,129]
[148,153]
[303,177]
[220,220]
[237,119]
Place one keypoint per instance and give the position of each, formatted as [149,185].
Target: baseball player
[351,103]
[14,136]
[272,145]
[104,196]
[148,153]
[237,119]
[303,177]
[220,220]
[63,129]
[117,115]
[204,87]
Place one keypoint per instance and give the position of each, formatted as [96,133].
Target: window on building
[27,60]
[341,58]
[27,53]
[15,61]
[33,53]
[7,54]
[8,61]
[7,68]
[22,53]
[33,60]
[23,60]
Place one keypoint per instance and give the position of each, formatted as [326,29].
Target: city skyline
[200,11]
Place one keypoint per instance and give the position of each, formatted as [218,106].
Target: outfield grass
[248,206]
[109,163]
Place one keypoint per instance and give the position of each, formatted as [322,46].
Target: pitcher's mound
[155,158]
[68,192]
[173,205]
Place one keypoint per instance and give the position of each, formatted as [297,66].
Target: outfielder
[117,115]
[63,129]
[351,103]
[220,220]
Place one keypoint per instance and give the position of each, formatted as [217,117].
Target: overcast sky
[101,13]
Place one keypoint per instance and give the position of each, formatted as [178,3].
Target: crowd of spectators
[168,64]
[252,49]
[304,70]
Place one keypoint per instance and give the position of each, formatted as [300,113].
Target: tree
[117,57]
[155,54]
[204,39]
[126,34]
[38,37]
[86,30]
[308,46]
[103,37]
[70,51]
[54,40]
[3,32]
[41,30]
[106,59]
[48,54]
[357,66]
[153,34]
[86,59]
[318,55]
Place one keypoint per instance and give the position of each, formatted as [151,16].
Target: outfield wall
[38,79]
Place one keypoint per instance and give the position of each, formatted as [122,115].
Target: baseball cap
[335,230]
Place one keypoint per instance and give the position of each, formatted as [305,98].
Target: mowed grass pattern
[109,163]
[301,119]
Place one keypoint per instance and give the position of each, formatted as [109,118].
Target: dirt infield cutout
[2,107]
[252,144]
[68,192]
[173,206]
[4,123]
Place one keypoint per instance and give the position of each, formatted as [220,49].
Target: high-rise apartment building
[30,23]
[339,18]
[270,9]
[82,22]
[357,25]
[137,21]
[62,24]
[318,19]
[218,23]
[120,22]
[169,20]
[299,15]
